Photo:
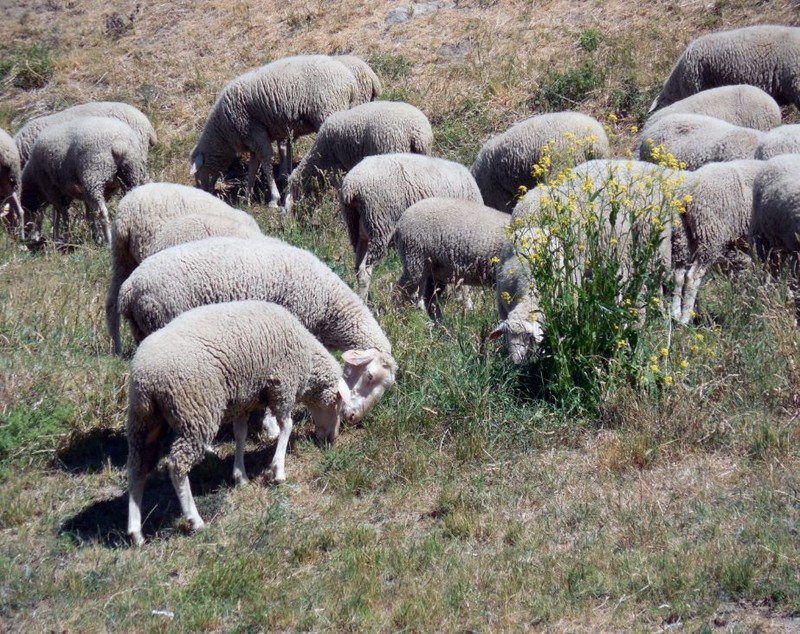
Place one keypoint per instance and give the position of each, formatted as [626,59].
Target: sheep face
[519,336]
[368,373]
[326,417]
[205,171]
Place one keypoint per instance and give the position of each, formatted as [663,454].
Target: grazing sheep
[448,241]
[217,270]
[775,221]
[766,56]
[283,99]
[742,105]
[142,215]
[784,139]
[505,161]
[695,140]
[137,120]
[10,181]
[380,127]
[718,201]
[215,364]
[88,158]
[380,188]
[518,307]
[648,187]
[369,86]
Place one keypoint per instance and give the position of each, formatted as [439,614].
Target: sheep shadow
[91,451]
[104,521]
[235,179]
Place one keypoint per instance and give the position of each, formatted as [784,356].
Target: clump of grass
[590,39]
[457,136]
[26,428]
[391,67]
[28,67]
[566,89]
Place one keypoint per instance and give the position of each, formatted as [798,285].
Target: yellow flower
[653,358]
[699,336]
[667,380]
[612,117]
[634,129]
[621,343]
[694,348]
[684,364]
[494,260]
[664,352]
[655,301]
[687,199]
[654,367]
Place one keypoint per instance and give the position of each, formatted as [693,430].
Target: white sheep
[282,100]
[379,127]
[369,84]
[696,139]
[741,105]
[215,364]
[505,161]
[380,188]
[648,186]
[216,270]
[444,241]
[88,158]
[145,218]
[775,221]
[718,201]
[766,56]
[136,119]
[784,139]
[10,178]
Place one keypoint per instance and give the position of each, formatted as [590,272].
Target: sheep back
[775,220]
[784,139]
[505,162]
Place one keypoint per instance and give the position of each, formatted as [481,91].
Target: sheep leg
[694,278]
[135,494]
[112,314]
[431,290]
[184,491]
[185,453]
[240,435]
[270,425]
[91,221]
[363,271]
[261,155]
[678,278]
[143,439]
[278,464]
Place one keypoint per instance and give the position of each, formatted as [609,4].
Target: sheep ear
[358,357]
[498,332]
[197,163]
[343,393]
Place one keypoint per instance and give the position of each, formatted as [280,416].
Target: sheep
[696,139]
[27,135]
[283,99]
[142,226]
[741,105]
[216,270]
[784,139]
[718,201]
[505,161]
[10,176]
[648,186]
[445,240]
[368,83]
[87,158]
[380,188]
[215,364]
[775,219]
[766,56]
[380,127]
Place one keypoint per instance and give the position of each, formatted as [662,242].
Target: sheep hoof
[137,539]
[278,478]
[241,478]
[273,205]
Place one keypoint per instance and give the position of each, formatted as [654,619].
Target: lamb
[696,139]
[87,158]
[775,220]
[448,241]
[27,135]
[283,99]
[10,181]
[648,187]
[381,127]
[718,200]
[380,188]
[143,225]
[368,83]
[215,364]
[784,139]
[766,56]
[504,162]
[741,105]
[217,270]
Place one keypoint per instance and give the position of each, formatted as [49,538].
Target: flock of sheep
[229,321]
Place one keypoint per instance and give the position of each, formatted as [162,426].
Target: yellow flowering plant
[591,238]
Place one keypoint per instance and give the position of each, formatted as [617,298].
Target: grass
[463,502]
